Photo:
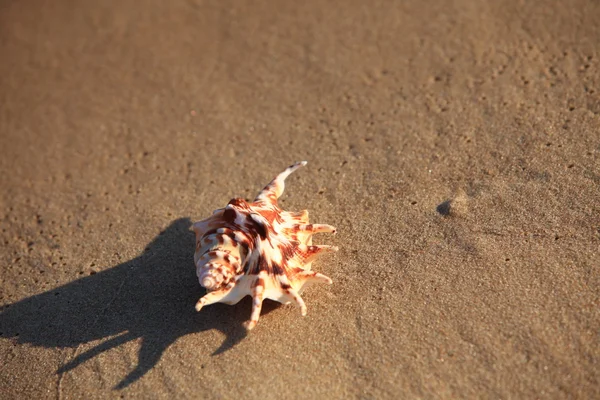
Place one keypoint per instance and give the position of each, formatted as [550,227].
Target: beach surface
[454,145]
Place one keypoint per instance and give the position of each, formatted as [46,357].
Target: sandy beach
[454,145]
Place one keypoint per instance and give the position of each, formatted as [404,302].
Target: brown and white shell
[257,249]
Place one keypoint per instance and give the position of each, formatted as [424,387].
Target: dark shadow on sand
[151,298]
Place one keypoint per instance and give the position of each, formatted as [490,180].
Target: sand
[455,146]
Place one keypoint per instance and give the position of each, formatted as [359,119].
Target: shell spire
[258,249]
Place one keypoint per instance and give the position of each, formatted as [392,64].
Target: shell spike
[296,297]
[212,297]
[258,288]
[290,293]
[316,228]
[304,277]
[275,188]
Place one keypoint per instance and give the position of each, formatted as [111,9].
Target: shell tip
[303,163]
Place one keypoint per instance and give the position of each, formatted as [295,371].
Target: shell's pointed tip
[198,306]
[303,163]
[335,248]
[249,325]
[303,312]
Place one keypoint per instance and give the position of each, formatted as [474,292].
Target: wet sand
[455,146]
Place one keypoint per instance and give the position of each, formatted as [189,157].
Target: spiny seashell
[257,249]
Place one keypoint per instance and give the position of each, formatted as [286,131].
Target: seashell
[258,249]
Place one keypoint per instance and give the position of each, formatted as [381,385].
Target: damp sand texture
[455,146]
